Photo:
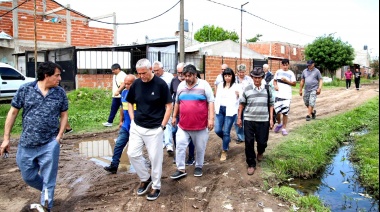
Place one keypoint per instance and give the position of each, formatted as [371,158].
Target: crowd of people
[157,111]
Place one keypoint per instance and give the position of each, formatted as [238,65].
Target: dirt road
[84,186]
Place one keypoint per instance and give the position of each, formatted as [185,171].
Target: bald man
[124,126]
[219,78]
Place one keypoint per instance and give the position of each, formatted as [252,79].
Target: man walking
[284,79]
[195,105]
[312,79]
[219,78]
[117,88]
[124,126]
[167,77]
[44,118]
[257,104]
[153,109]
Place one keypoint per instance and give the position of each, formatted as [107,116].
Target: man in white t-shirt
[283,81]
[219,78]
[167,77]
[117,88]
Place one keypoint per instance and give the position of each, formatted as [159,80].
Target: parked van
[10,80]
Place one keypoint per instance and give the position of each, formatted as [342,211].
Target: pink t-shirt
[348,74]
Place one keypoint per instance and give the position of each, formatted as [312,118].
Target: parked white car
[10,80]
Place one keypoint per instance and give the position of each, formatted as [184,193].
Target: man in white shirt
[167,77]
[284,79]
[219,78]
[117,88]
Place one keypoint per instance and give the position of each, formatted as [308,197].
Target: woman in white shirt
[226,107]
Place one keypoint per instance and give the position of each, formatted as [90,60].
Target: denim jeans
[191,144]
[223,125]
[240,130]
[39,168]
[116,103]
[121,142]
[168,137]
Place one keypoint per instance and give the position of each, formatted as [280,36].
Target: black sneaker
[144,187]
[111,168]
[308,118]
[68,131]
[190,161]
[178,174]
[154,194]
[198,172]
[313,114]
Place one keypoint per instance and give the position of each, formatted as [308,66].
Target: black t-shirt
[173,86]
[150,99]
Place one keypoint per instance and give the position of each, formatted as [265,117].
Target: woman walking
[348,75]
[226,106]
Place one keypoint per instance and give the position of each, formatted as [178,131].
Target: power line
[130,23]
[260,18]
[13,9]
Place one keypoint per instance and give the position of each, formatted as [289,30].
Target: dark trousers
[116,103]
[255,131]
[348,83]
[357,82]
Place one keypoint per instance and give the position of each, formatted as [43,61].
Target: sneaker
[190,161]
[106,124]
[313,114]
[153,195]
[198,172]
[144,187]
[111,168]
[223,156]
[250,170]
[68,131]
[277,128]
[178,174]
[284,132]
[260,157]
[238,141]
[308,118]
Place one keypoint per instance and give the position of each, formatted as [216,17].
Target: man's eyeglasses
[180,73]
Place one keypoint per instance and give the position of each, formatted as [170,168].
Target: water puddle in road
[338,187]
[101,152]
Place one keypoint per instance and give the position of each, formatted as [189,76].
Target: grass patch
[305,203]
[88,108]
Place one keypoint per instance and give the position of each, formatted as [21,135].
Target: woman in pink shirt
[348,75]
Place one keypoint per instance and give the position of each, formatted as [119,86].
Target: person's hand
[237,93]
[59,139]
[116,93]
[5,147]
[276,87]
[120,124]
[300,92]
[271,124]
[210,124]
[174,121]
[239,123]
[318,91]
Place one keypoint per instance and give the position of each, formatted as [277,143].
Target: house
[278,49]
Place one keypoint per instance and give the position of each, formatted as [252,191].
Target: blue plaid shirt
[40,115]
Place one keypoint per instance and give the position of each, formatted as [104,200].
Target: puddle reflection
[101,152]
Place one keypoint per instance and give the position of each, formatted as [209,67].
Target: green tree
[211,33]
[254,39]
[330,53]
[375,66]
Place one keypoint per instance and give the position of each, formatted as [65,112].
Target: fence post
[159,56]
[204,66]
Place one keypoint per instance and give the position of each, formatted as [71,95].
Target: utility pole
[241,30]
[35,38]
[181,34]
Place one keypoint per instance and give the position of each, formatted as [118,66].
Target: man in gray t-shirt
[312,79]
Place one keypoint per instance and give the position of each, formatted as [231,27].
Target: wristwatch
[163,127]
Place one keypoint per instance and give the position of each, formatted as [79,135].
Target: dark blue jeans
[116,103]
[223,125]
[121,142]
[191,145]
[239,130]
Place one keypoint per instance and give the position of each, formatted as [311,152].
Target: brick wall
[81,33]
[274,49]
[94,81]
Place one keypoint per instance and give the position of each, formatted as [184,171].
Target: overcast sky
[293,21]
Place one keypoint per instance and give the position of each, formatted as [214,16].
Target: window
[9,74]
[282,49]
[294,51]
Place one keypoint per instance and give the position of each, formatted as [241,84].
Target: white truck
[10,80]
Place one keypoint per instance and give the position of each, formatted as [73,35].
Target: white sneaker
[106,124]
[169,148]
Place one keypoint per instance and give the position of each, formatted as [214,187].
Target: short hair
[143,63]
[285,61]
[47,68]
[158,63]
[181,65]
[190,69]
[265,66]
[115,66]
